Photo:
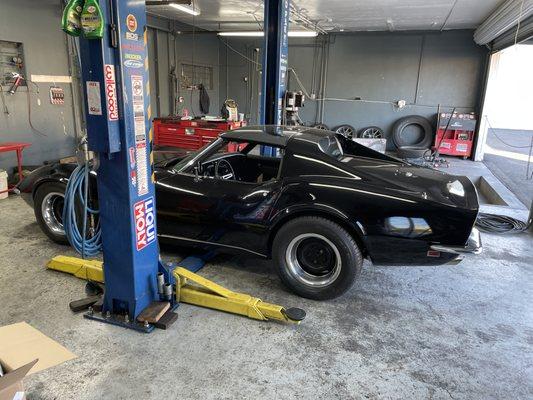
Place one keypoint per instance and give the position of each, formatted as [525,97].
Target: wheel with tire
[322,127]
[411,152]
[48,208]
[371,132]
[347,131]
[316,258]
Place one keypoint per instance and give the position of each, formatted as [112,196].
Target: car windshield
[184,161]
[331,146]
[213,149]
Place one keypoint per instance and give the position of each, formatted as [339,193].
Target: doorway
[505,140]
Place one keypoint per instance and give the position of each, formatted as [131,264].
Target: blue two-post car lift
[275,63]
[118,116]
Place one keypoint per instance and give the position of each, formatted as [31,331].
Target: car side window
[236,161]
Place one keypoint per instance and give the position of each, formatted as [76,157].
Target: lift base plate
[118,320]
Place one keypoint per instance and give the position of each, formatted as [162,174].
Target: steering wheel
[227,170]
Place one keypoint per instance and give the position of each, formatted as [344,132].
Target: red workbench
[18,147]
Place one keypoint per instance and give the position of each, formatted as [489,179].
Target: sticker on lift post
[139,127]
[131,23]
[144,214]
[111,92]
[94,101]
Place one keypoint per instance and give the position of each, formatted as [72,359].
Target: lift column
[275,63]
[115,76]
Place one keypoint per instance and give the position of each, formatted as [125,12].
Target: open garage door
[522,34]
[511,23]
[505,140]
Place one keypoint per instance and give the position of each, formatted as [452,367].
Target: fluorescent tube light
[185,9]
[242,34]
[303,33]
[260,34]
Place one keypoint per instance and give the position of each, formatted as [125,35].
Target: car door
[227,213]
[183,206]
[240,212]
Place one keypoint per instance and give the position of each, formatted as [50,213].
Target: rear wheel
[48,207]
[316,258]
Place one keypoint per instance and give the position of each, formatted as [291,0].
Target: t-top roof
[275,135]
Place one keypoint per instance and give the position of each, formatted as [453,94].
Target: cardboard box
[11,387]
[375,144]
[24,350]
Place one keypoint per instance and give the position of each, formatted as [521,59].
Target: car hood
[421,182]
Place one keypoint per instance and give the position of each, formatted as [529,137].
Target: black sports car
[318,208]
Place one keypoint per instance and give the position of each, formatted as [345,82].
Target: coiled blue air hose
[75,198]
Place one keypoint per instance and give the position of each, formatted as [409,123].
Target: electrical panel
[11,63]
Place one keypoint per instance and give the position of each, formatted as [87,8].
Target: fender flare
[357,229]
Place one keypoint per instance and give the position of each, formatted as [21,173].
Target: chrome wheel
[372,132]
[313,260]
[346,130]
[52,212]
[322,127]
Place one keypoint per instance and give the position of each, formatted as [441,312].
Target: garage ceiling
[339,15]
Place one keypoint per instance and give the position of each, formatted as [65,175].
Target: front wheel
[48,207]
[316,258]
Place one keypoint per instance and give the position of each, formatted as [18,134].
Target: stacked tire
[408,149]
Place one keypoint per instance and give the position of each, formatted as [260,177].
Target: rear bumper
[473,245]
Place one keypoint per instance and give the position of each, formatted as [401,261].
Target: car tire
[301,242]
[322,127]
[411,152]
[400,126]
[347,131]
[371,132]
[48,209]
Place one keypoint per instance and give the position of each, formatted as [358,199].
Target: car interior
[241,162]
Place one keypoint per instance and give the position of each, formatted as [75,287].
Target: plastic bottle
[92,20]
[71,22]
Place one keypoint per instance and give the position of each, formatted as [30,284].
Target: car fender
[284,215]
[49,173]
[57,173]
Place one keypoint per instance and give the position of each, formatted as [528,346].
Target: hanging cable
[239,53]
[28,95]
[493,131]
[519,22]
[76,197]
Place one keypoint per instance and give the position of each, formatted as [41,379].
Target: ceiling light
[186,9]
[242,34]
[303,33]
[260,34]
[390,24]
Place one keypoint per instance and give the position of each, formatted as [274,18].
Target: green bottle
[92,20]
[71,22]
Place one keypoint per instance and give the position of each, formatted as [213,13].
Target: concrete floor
[457,332]
[513,172]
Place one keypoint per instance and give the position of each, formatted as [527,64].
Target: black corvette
[318,208]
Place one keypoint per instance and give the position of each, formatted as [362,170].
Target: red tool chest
[189,134]
[455,134]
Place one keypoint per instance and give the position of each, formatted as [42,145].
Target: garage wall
[425,69]
[166,50]
[37,26]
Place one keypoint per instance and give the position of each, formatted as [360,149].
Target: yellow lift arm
[191,288]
